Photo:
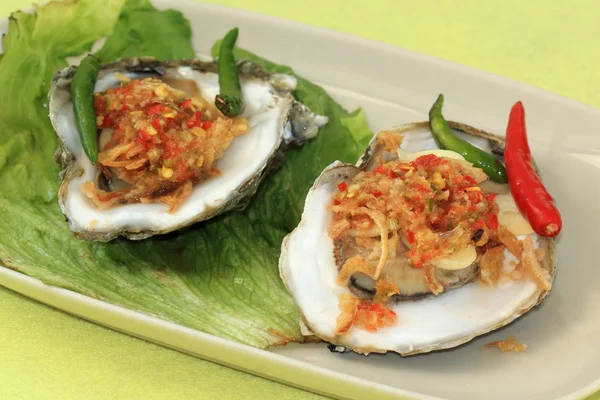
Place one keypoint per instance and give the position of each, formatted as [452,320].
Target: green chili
[447,140]
[230,100]
[82,93]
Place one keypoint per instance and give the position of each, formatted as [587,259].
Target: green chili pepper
[230,100]
[82,92]
[447,140]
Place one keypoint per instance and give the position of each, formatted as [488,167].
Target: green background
[552,44]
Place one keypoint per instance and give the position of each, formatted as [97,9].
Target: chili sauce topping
[432,207]
[418,201]
[160,143]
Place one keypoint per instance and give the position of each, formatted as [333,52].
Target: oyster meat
[472,298]
[275,121]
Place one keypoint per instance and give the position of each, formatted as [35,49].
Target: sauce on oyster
[419,226]
[156,143]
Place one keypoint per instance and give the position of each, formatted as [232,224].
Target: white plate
[396,86]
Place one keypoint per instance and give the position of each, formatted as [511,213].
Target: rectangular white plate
[395,86]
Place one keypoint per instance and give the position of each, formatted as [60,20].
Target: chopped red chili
[379,170]
[372,317]
[428,160]
[156,125]
[410,236]
[145,135]
[155,109]
[187,103]
[492,221]
[106,123]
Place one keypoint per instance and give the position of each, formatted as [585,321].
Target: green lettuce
[220,276]
[34,49]
[142,31]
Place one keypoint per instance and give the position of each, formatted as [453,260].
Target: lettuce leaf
[220,276]
[141,30]
[34,49]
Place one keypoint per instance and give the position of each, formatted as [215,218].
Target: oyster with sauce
[272,120]
[359,287]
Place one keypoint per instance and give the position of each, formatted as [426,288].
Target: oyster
[467,306]
[275,120]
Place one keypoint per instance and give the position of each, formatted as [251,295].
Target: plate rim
[51,295]
[70,302]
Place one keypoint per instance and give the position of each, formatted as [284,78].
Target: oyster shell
[276,121]
[310,261]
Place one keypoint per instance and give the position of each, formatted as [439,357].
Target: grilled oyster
[415,319]
[275,120]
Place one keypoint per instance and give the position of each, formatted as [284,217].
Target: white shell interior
[309,269]
[266,112]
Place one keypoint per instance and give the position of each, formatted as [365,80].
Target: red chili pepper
[490,197]
[428,160]
[492,221]
[475,197]
[206,125]
[336,202]
[410,236]
[106,123]
[156,125]
[479,224]
[145,135]
[342,186]
[470,180]
[155,109]
[421,188]
[142,142]
[529,192]
[376,193]
[379,170]
[183,172]
[145,139]
[190,123]
[187,103]
[195,121]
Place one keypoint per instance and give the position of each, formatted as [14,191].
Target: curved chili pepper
[230,100]
[447,140]
[532,198]
[82,92]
